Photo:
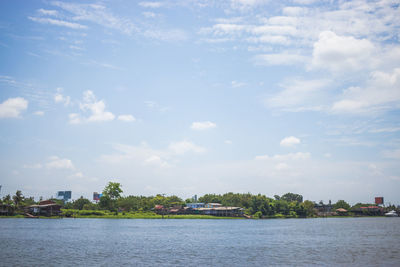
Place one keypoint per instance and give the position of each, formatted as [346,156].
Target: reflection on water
[108,242]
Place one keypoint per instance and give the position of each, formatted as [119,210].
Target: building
[64,195]
[195,205]
[44,208]
[324,209]
[321,207]
[6,210]
[223,211]
[341,211]
[370,211]
[212,205]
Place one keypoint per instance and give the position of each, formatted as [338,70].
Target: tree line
[287,205]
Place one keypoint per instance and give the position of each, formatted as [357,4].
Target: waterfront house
[6,210]
[369,210]
[212,205]
[223,211]
[195,205]
[44,208]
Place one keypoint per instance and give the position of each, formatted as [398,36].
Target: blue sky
[193,97]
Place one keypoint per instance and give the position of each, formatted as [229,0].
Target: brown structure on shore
[45,208]
[214,209]
[6,210]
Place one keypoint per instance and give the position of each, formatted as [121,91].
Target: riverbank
[69,213]
[99,214]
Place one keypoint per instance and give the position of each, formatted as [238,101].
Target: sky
[192,97]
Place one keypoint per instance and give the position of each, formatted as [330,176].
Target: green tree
[112,190]
[341,204]
[18,198]
[106,203]
[7,200]
[210,198]
[289,197]
[90,206]
[28,201]
[80,202]
[309,208]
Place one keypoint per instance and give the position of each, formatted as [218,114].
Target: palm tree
[18,198]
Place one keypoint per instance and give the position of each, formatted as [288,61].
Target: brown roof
[341,210]
[45,202]
[44,206]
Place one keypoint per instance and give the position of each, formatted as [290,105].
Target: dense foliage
[112,202]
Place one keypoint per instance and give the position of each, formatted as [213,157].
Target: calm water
[107,242]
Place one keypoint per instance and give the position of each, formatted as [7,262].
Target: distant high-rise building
[64,195]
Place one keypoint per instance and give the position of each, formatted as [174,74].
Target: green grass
[13,216]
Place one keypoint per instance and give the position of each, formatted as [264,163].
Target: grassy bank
[13,216]
[70,213]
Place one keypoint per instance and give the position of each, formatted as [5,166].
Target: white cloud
[245,5]
[96,109]
[47,12]
[236,84]
[391,154]
[58,163]
[150,104]
[143,155]
[285,157]
[156,160]
[282,166]
[33,166]
[293,156]
[151,4]
[74,118]
[169,35]
[294,11]
[342,53]
[39,113]
[385,130]
[127,118]
[228,142]
[380,93]
[304,2]
[78,175]
[280,59]
[183,147]
[59,98]
[262,157]
[203,125]
[300,95]
[149,14]
[58,22]
[290,141]
[98,14]
[12,107]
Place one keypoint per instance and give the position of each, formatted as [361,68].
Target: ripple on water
[358,241]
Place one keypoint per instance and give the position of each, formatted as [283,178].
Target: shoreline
[176,217]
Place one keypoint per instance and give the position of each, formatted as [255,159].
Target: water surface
[110,242]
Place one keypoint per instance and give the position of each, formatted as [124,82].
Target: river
[136,242]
